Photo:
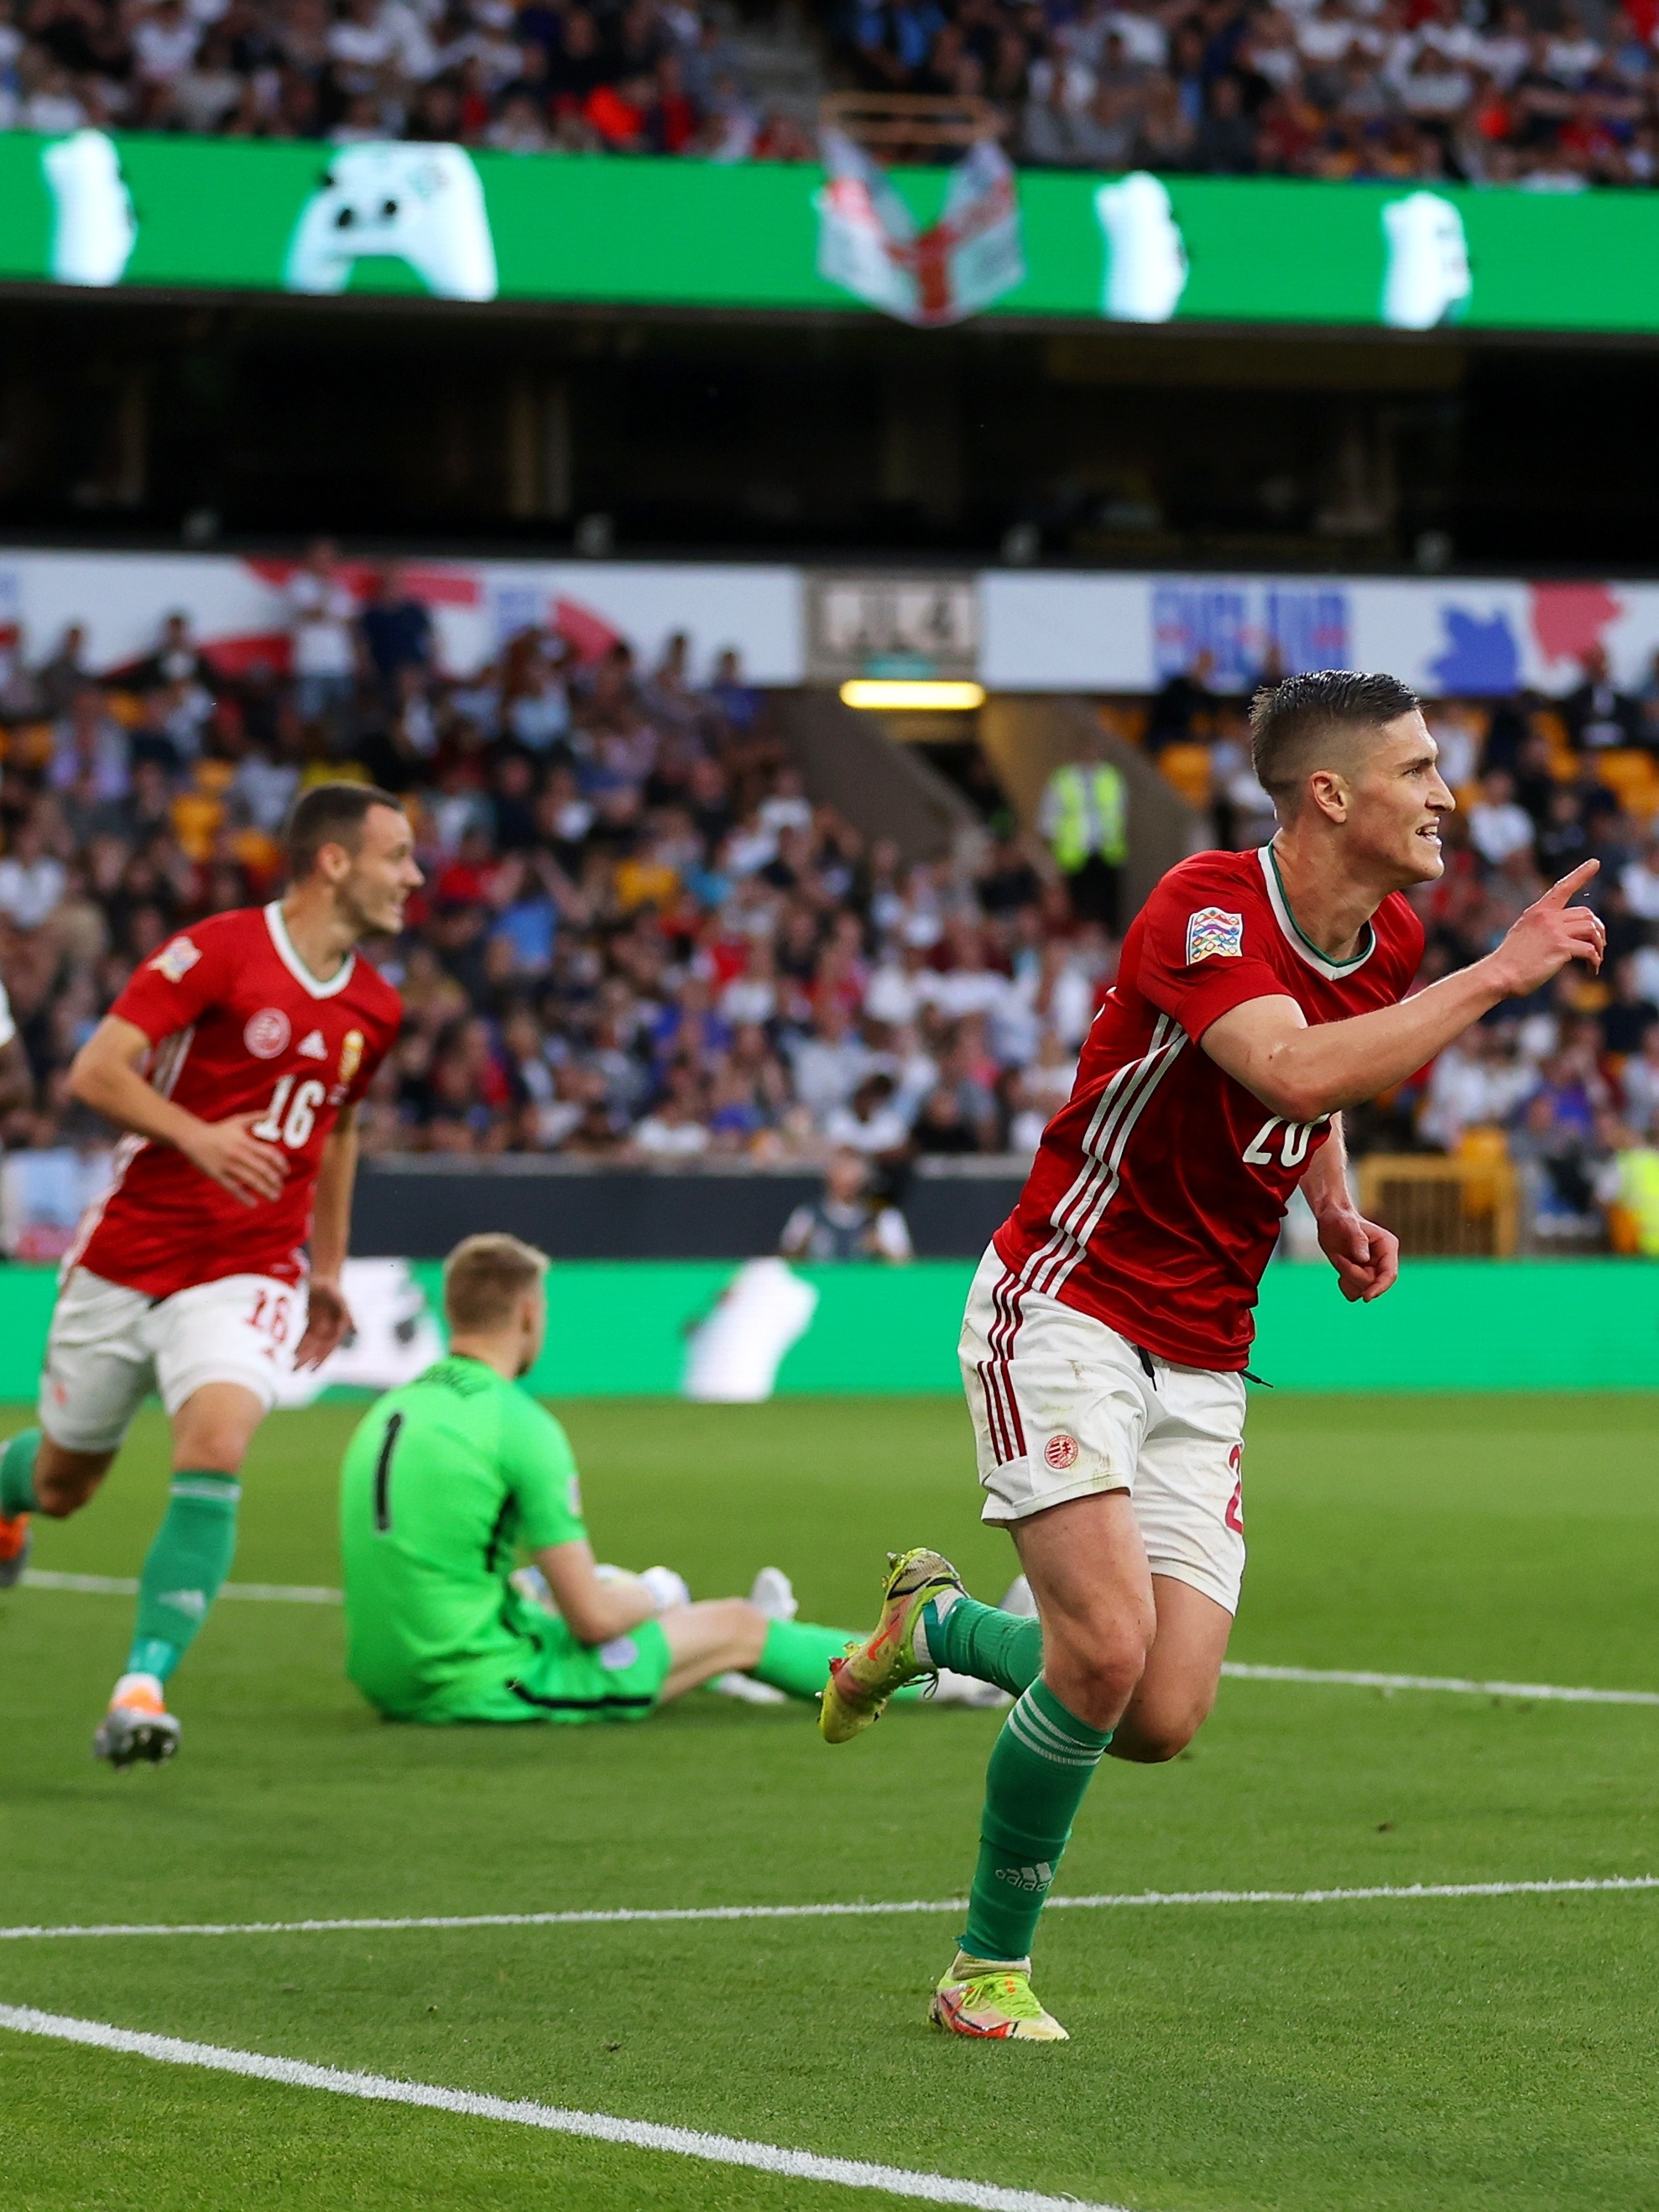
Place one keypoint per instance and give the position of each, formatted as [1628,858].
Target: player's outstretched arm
[105,1075]
[1304,1073]
[593,1611]
[328,1317]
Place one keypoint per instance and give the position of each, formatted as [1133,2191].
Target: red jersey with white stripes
[238,1024]
[1155,1198]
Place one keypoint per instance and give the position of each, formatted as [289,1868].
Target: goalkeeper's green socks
[971,1638]
[796,1655]
[185,1570]
[1040,1765]
[17,1474]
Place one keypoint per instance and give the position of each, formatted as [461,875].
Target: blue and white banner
[1018,630]
[1054,631]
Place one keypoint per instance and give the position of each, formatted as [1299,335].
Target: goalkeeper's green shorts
[557,1679]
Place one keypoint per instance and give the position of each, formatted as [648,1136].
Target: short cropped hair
[329,814]
[484,1278]
[1302,725]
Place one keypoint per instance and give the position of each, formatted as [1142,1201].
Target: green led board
[97,211]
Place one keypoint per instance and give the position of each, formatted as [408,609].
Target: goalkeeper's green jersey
[446,1481]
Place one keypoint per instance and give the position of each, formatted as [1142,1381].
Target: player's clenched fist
[328,1323]
[227,1153]
[1549,934]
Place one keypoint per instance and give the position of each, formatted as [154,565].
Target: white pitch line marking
[127,1586]
[1352,1678]
[1235,1670]
[1416,1892]
[595,2127]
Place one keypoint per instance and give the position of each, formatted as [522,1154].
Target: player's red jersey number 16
[291,1115]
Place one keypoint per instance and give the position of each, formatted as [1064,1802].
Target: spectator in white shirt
[1639,1081]
[322,620]
[1499,827]
[897,989]
[164,43]
[1327,37]
[869,1123]
[672,1131]
[265,787]
[51,106]
[752,996]
[788,806]
[1479,1080]
[1505,52]
[32,882]
[1640,885]
[830,1063]
[1572,53]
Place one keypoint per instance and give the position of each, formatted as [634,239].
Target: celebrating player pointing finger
[1108,1325]
[234,1060]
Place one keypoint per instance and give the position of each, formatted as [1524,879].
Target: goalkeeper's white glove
[668,1589]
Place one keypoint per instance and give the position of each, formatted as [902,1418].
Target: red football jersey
[1156,1197]
[239,1025]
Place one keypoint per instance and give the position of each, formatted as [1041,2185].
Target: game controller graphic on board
[93,226]
[1428,278]
[1145,257]
[422,205]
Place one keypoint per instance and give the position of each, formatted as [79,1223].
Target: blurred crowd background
[640,940]
[1554,95]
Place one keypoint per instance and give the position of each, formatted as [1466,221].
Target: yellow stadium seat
[1632,776]
[1187,768]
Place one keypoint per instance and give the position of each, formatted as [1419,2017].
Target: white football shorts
[1063,1407]
[110,1347]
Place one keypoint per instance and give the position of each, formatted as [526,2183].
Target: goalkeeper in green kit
[449,1478]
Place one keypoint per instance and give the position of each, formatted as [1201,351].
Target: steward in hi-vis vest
[1084,817]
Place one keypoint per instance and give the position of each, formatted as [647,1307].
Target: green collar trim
[1333,970]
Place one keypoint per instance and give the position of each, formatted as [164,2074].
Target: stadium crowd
[1554,95]
[640,940]
[638,937]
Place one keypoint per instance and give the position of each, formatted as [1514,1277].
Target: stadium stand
[642,941]
[1490,91]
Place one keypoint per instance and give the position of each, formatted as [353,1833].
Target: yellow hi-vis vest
[1638,1195]
[1092,815]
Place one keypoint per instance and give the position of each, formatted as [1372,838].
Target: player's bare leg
[732,1636]
[1172,1699]
[39,1476]
[184,1569]
[1087,1568]
[722,1636]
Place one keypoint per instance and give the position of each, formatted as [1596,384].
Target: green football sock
[184,1569]
[17,1474]
[796,1657]
[971,1638]
[1040,1765]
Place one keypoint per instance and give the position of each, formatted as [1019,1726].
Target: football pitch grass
[1469,2052]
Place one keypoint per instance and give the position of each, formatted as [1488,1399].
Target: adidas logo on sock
[1027,1878]
[194,1602]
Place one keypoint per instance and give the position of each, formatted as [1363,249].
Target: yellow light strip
[897,695]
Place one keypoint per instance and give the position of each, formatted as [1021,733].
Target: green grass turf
[1470,2055]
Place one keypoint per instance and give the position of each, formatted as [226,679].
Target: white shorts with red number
[110,1347]
[1063,1407]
